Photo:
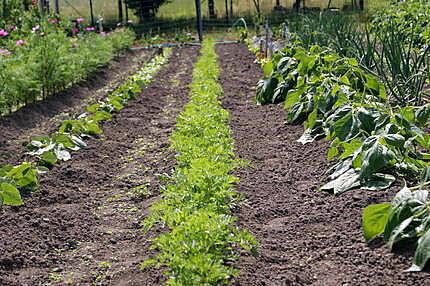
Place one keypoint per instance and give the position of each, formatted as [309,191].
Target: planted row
[373,140]
[40,57]
[71,135]
[195,206]
[393,44]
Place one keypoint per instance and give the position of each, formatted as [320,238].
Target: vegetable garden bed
[307,237]
[82,226]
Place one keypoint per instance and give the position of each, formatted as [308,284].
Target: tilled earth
[83,226]
[306,237]
[41,117]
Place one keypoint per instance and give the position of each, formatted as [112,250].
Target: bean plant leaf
[49,158]
[399,232]
[10,195]
[422,253]
[374,160]
[374,218]
[378,182]
[367,118]
[268,69]
[395,140]
[347,181]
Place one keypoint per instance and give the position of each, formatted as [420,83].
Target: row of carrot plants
[71,135]
[41,56]
[195,208]
[373,140]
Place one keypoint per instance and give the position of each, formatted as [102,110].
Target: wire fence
[179,15]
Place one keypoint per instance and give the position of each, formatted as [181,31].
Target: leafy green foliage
[15,179]
[370,106]
[196,206]
[49,60]
[406,218]
[393,44]
[336,99]
[375,218]
[70,136]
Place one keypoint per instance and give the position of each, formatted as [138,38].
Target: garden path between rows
[306,237]
[83,225]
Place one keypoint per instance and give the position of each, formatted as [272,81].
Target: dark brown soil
[82,226]
[43,116]
[307,237]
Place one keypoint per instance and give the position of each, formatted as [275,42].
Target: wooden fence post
[199,20]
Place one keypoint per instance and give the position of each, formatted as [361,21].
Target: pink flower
[3,33]
[104,34]
[36,28]
[90,29]
[20,42]
[13,28]
[75,31]
[5,53]
[53,21]
[80,20]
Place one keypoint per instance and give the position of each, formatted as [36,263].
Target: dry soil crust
[307,237]
[82,226]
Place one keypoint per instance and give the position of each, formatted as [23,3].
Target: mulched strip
[82,226]
[42,117]
[307,237]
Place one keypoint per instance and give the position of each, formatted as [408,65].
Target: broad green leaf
[375,159]
[312,118]
[333,151]
[378,182]
[293,97]
[268,69]
[422,115]
[265,90]
[5,169]
[347,181]
[340,168]
[422,253]
[295,113]
[401,197]
[374,219]
[49,158]
[367,118]
[284,65]
[397,233]
[10,195]
[425,175]
[350,148]
[395,140]
[93,108]
[92,128]
[371,82]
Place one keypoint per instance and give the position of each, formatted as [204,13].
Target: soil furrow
[82,226]
[307,237]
